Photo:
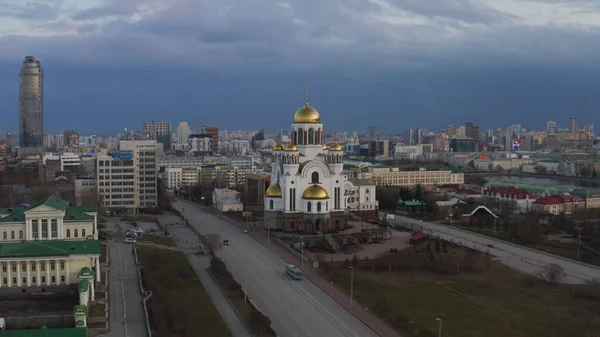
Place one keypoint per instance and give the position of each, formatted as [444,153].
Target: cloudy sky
[394,64]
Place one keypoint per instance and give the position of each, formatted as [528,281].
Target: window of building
[62,266]
[4,236]
[4,269]
[14,280]
[75,234]
[34,229]
[309,207]
[318,206]
[24,267]
[33,266]
[44,228]
[314,178]
[20,235]
[24,280]
[13,268]
[12,235]
[62,278]
[43,279]
[270,204]
[54,227]
[83,232]
[5,280]
[68,233]
[33,280]
[53,278]
[52,266]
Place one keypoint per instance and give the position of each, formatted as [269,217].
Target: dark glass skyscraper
[31,104]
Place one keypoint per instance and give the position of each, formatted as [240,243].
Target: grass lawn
[243,308]
[180,306]
[159,240]
[496,302]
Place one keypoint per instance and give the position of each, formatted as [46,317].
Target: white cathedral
[308,189]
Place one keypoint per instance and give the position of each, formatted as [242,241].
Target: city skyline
[398,62]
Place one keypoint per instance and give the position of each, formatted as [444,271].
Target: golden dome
[315,192]
[278,147]
[291,147]
[324,147]
[336,147]
[274,191]
[307,114]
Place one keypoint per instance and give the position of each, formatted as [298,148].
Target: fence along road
[296,308]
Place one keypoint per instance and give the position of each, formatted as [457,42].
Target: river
[543,184]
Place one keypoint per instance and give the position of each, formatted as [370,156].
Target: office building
[161,132]
[31,106]
[201,143]
[462,144]
[127,179]
[393,176]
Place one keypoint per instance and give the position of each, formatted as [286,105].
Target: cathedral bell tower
[307,130]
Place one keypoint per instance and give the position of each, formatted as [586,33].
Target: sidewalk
[185,241]
[379,327]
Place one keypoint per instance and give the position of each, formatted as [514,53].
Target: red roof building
[523,200]
[560,203]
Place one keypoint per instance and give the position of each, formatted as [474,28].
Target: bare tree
[552,273]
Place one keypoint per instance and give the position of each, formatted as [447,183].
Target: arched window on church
[300,136]
[326,206]
[271,204]
[314,179]
[318,206]
[309,207]
[311,136]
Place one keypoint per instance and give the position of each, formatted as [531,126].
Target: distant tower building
[574,126]
[372,132]
[451,131]
[472,131]
[31,99]
[161,132]
[183,132]
[213,132]
[551,127]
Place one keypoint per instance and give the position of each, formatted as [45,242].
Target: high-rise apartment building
[574,128]
[183,133]
[159,131]
[551,127]
[451,131]
[472,131]
[213,132]
[31,110]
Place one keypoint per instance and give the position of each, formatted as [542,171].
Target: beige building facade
[392,176]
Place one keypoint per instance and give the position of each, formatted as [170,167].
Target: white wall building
[200,143]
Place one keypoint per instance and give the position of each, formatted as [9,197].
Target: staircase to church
[332,243]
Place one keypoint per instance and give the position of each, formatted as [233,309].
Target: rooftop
[17,214]
[49,248]
[45,332]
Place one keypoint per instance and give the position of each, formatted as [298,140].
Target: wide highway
[521,258]
[296,308]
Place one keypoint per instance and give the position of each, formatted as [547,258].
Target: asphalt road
[520,258]
[126,313]
[296,308]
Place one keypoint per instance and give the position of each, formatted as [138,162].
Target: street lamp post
[351,286]
[302,253]
[439,326]
[245,292]
[579,242]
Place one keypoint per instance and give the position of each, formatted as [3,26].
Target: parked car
[245,231]
[130,240]
[137,230]
[226,242]
[393,250]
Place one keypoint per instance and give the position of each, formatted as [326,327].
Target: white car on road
[130,240]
